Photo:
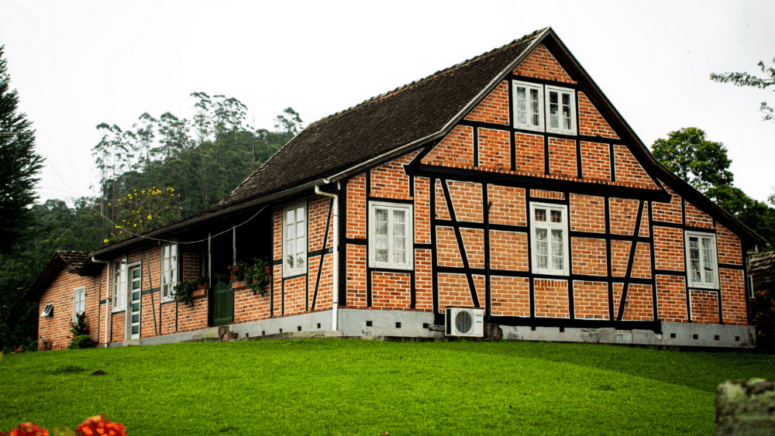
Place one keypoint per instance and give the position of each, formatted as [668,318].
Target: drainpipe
[335,206]
[107,304]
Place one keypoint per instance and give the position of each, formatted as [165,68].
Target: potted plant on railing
[255,275]
[187,290]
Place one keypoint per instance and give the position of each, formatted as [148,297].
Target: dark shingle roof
[74,261]
[377,126]
[763,272]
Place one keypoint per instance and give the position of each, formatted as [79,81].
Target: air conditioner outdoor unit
[464,322]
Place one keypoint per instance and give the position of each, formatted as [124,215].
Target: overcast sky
[78,64]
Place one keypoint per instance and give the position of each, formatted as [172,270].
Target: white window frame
[289,271]
[76,293]
[689,278]
[120,276]
[48,311]
[169,276]
[408,235]
[549,226]
[540,88]
[547,101]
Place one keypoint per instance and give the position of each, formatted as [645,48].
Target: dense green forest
[153,173]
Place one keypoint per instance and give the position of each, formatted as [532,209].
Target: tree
[745,79]
[19,166]
[687,153]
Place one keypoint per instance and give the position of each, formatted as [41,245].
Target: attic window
[48,311]
[560,110]
[528,106]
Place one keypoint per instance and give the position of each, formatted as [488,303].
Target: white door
[134,301]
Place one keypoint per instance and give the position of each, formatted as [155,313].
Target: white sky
[78,64]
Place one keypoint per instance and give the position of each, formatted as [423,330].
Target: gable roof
[75,262]
[407,118]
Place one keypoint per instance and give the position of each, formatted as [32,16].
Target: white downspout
[107,299]
[335,206]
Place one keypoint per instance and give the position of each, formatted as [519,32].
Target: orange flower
[98,425]
[28,429]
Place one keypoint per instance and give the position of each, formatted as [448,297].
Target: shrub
[79,327]
[763,317]
[255,276]
[82,341]
[185,289]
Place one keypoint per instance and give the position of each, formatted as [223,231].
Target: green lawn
[355,387]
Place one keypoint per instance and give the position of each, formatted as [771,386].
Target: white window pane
[521,105]
[399,256]
[300,261]
[399,216]
[290,260]
[174,251]
[399,243]
[300,230]
[290,232]
[300,215]
[556,216]
[398,229]
[540,215]
[709,260]
[381,228]
[289,248]
[557,249]
[381,215]
[300,245]
[289,217]
[381,242]
[381,255]
[694,259]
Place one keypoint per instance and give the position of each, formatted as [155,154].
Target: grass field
[355,387]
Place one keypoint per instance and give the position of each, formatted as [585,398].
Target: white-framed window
[701,260]
[79,302]
[528,106]
[390,235]
[48,311]
[549,238]
[119,286]
[169,271]
[295,239]
[560,110]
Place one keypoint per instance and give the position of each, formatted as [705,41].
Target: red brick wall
[589,256]
[697,218]
[641,265]
[389,180]
[454,291]
[591,123]
[466,200]
[639,304]
[447,250]
[669,212]
[60,292]
[442,209]
[356,276]
[422,211]
[317,217]
[623,214]
[669,249]
[494,149]
[457,148]
[730,249]
[537,193]
[562,157]
[628,169]
[645,230]
[551,298]
[529,153]
[508,251]
[356,207]
[620,257]
[295,295]
[590,300]
[494,108]
[510,296]
[391,290]
[733,296]
[595,161]
[423,280]
[473,243]
[508,205]
[249,307]
[325,298]
[671,298]
[541,64]
[587,213]
[704,306]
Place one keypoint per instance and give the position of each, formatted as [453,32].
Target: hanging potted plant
[255,275]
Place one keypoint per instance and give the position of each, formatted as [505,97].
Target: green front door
[223,302]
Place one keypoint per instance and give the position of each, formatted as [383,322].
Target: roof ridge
[393,92]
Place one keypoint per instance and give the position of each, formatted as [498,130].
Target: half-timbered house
[507,187]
